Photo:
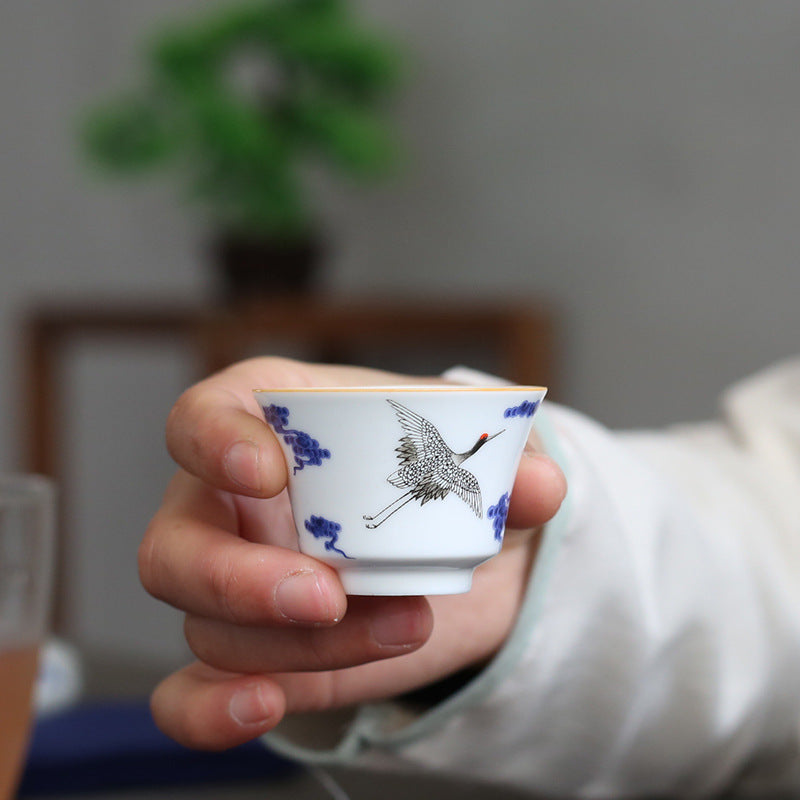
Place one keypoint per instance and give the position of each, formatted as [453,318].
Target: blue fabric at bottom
[116,745]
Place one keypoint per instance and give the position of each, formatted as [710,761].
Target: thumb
[539,489]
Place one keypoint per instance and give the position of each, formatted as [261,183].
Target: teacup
[404,490]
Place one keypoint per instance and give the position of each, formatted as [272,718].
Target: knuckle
[320,652]
[217,645]
[321,694]
[329,693]
[183,411]
[149,561]
[278,370]
[183,406]
[316,654]
[223,587]
[195,634]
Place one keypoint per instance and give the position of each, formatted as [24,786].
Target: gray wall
[636,163]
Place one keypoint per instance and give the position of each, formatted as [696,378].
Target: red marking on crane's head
[484,436]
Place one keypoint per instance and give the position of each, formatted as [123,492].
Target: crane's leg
[392,508]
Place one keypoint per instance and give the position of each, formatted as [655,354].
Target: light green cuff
[375,725]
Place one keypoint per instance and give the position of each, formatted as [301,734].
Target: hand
[272,628]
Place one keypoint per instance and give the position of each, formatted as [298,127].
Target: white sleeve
[658,649]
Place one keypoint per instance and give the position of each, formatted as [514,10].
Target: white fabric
[664,654]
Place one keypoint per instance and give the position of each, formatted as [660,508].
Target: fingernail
[302,597]
[241,464]
[247,706]
[397,628]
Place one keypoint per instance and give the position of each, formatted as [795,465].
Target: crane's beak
[494,435]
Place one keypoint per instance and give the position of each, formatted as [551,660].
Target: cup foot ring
[399,581]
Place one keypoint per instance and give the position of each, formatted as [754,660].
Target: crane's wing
[421,439]
[462,483]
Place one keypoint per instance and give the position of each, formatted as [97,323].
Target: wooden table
[332,329]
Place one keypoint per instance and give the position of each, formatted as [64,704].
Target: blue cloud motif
[306,449]
[527,408]
[497,514]
[321,528]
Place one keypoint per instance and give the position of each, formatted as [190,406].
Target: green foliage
[240,147]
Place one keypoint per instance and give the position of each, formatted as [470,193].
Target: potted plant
[238,106]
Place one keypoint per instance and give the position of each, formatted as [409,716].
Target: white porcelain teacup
[404,490]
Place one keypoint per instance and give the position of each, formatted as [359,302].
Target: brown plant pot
[251,269]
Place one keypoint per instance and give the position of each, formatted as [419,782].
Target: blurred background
[634,167]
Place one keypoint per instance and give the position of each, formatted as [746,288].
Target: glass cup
[27,525]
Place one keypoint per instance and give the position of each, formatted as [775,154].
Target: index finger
[216,430]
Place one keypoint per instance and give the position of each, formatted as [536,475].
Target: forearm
[660,635]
